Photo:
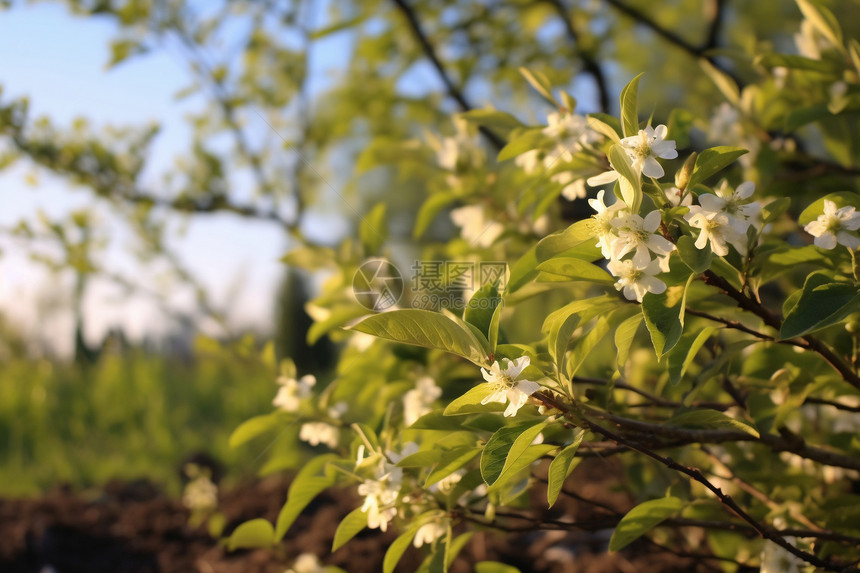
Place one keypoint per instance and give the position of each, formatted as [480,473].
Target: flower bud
[682,177]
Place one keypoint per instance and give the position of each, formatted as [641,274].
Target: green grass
[131,416]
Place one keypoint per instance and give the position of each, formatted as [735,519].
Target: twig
[696,475]
[430,52]
[589,63]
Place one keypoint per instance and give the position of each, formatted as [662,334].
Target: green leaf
[840,199]
[663,319]
[561,467]
[712,161]
[631,193]
[724,83]
[685,352]
[605,124]
[822,20]
[522,142]
[624,336]
[642,519]
[698,260]
[630,108]
[576,270]
[493,336]
[425,328]
[586,344]
[481,307]
[493,119]
[308,483]
[494,567]
[794,62]
[798,117]
[337,27]
[374,229]
[523,271]
[340,315]
[250,429]
[522,454]
[470,402]
[355,521]
[820,306]
[253,534]
[559,337]
[710,420]
[540,83]
[775,209]
[495,454]
[431,207]
[561,241]
[310,257]
[451,461]
[397,548]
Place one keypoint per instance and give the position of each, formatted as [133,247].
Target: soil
[135,528]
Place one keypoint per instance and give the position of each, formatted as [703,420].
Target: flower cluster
[634,244]
[292,392]
[630,241]
[417,402]
[383,489]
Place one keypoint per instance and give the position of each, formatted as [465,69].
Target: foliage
[129,416]
[699,321]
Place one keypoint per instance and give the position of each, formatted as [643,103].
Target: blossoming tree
[701,325]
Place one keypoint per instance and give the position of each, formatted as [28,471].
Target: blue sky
[58,60]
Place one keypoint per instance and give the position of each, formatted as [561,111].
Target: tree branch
[430,52]
[673,38]
[694,474]
[589,63]
[770,319]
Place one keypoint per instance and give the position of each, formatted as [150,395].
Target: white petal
[602,179]
[826,241]
[652,168]
[711,203]
[745,190]
[527,387]
[847,239]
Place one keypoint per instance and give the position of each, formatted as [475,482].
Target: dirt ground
[135,528]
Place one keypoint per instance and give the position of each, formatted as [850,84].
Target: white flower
[574,187]
[316,433]
[717,228]
[648,144]
[461,151]
[734,203]
[428,533]
[417,402]
[474,226]
[200,494]
[338,410]
[505,387]
[307,563]
[673,195]
[775,559]
[293,391]
[447,483]
[637,233]
[606,234]
[636,280]
[570,130]
[832,226]
[530,160]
